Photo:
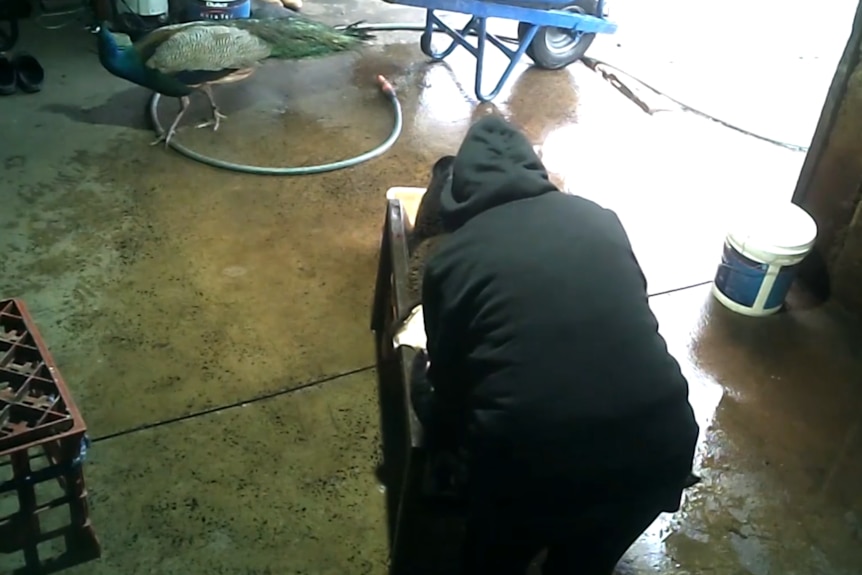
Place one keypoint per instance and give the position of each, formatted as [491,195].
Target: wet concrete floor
[763,65]
[166,289]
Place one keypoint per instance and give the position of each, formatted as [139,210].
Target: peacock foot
[164,138]
[215,122]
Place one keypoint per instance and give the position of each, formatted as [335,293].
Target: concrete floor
[760,64]
[166,288]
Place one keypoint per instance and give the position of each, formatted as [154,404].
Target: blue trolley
[553,33]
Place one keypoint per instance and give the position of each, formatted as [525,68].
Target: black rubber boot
[9,38]
[10,12]
[8,83]
[15,9]
[29,73]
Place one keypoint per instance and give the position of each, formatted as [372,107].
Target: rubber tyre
[549,58]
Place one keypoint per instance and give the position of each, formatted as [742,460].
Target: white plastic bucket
[761,256]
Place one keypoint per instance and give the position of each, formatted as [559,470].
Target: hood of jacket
[495,165]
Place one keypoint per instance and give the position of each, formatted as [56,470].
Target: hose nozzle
[385,86]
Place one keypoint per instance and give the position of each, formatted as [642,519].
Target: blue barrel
[211,10]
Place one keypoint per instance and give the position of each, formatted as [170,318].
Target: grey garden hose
[379,150]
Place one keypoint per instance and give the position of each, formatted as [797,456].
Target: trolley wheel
[425,45]
[555,48]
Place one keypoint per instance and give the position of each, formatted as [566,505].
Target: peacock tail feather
[297,37]
[238,44]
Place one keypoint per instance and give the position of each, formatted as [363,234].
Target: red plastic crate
[37,413]
[35,403]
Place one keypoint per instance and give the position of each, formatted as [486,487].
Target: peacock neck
[118,60]
[125,62]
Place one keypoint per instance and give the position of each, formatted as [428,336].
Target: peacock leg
[166,137]
[217,115]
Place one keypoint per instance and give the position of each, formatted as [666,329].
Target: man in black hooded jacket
[547,365]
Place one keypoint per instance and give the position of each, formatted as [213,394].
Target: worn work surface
[166,288]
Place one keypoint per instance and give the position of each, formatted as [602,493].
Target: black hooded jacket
[539,331]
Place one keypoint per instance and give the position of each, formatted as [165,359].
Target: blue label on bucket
[738,277]
[782,284]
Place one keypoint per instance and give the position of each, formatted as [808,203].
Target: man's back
[557,340]
[546,360]
[538,323]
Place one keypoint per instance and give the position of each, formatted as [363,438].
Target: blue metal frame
[537,13]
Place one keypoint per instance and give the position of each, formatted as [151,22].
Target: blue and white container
[212,10]
[761,256]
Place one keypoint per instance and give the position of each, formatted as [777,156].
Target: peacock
[179,59]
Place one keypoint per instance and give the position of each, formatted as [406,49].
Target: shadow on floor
[113,112]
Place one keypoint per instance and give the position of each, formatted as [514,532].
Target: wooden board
[409,198]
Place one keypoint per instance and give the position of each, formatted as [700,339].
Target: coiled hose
[385,87]
[397,125]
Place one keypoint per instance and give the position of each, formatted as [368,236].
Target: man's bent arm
[444,340]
